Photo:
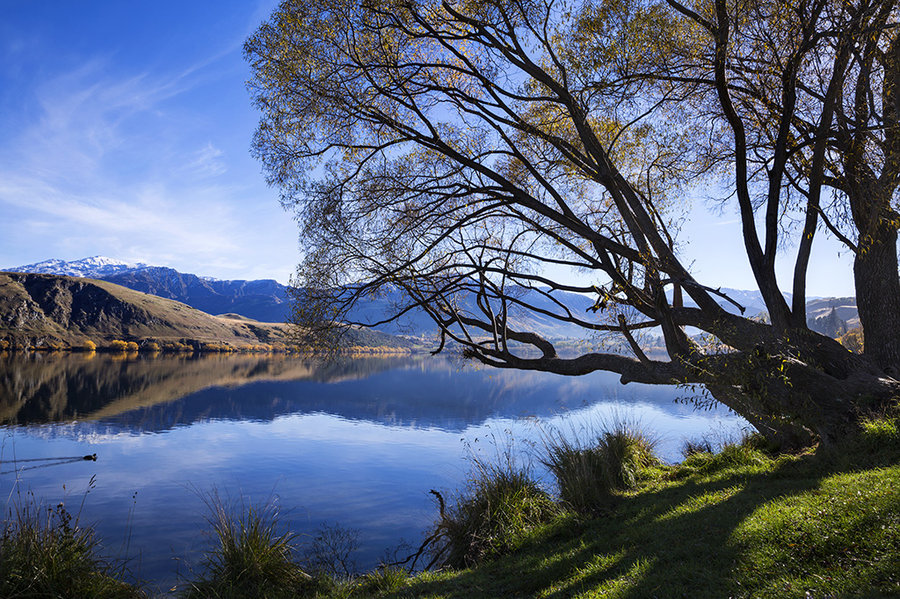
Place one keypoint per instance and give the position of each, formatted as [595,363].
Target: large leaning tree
[462,154]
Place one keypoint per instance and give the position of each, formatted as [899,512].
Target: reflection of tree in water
[160,393]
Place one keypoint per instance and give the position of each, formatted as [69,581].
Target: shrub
[215,347]
[330,553]
[49,345]
[131,346]
[45,553]
[88,346]
[853,340]
[151,347]
[589,476]
[4,345]
[117,345]
[176,346]
[499,506]
[252,559]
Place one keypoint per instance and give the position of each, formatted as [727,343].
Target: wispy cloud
[85,116]
[207,162]
[107,165]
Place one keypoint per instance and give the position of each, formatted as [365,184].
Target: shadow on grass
[687,539]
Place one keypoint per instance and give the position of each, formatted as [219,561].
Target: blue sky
[125,130]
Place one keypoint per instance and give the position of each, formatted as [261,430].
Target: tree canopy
[466,152]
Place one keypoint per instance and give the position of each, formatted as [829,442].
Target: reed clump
[499,506]
[251,558]
[45,552]
[589,475]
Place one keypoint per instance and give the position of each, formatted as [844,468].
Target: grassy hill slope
[38,309]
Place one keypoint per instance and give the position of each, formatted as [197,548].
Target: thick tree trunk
[871,196]
[878,298]
[783,432]
[812,390]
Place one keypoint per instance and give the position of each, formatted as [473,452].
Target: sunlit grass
[735,523]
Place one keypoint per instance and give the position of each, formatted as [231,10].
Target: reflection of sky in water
[367,464]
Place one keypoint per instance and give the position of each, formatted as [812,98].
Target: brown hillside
[37,308]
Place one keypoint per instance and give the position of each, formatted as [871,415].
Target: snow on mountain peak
[93,266]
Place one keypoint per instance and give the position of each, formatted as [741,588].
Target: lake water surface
[355,443]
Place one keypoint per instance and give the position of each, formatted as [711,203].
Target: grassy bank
[738,522]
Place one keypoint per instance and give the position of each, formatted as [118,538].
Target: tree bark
[878,298]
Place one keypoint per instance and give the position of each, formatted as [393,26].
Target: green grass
[44,552]
[590,476]
[739,523]
[499,508]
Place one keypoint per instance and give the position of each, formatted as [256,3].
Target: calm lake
[355,443]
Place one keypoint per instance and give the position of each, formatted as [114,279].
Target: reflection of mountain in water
[157,394]
[40,388]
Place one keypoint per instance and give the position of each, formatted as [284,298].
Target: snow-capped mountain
[94,267]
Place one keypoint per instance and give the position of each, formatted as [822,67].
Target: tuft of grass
[45,552]
[627,454]
[499,507]
[697,446]
[731,456]
[251,559]
[589,477]
[880,434]
[580,474]
[386,579]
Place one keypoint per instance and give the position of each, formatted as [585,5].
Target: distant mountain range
[267,300]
